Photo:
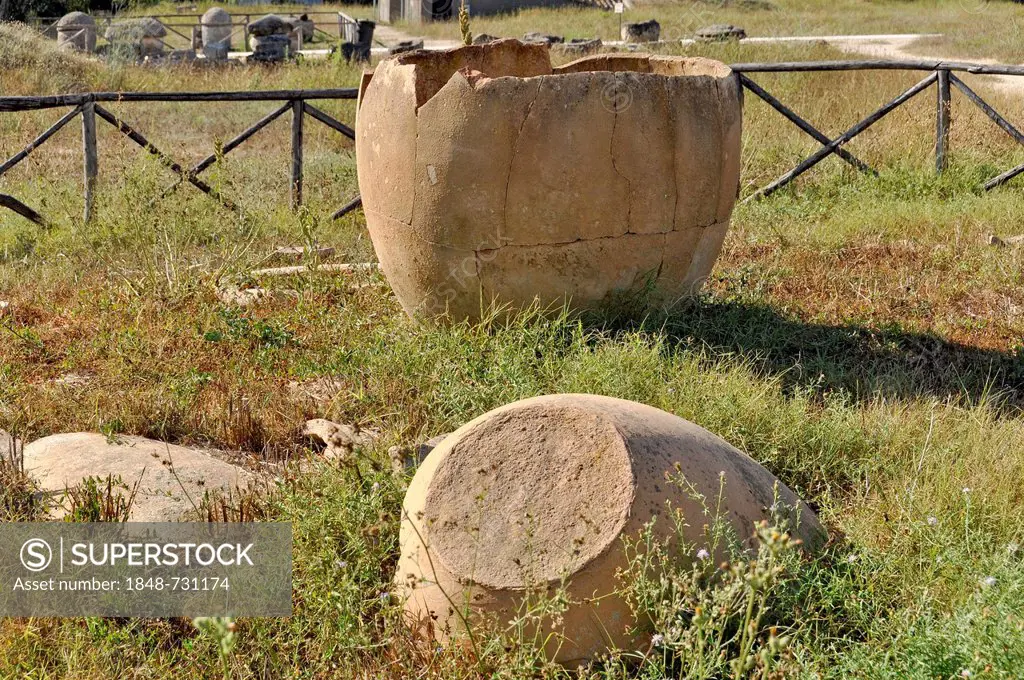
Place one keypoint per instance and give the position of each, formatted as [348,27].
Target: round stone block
[542,492]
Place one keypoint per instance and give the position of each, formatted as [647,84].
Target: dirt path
[901,47]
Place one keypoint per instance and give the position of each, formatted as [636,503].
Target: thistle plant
[467,36]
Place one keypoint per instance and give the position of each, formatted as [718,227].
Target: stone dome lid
[75,19]
[216,16]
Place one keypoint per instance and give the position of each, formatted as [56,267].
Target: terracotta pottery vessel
[489,176]
[542,492]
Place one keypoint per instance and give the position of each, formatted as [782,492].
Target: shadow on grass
[863,362]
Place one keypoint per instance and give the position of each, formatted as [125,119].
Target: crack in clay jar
[542,493]
[488,176]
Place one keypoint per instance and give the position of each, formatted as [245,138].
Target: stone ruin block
[304,26]
[578,47]
[642,32]
[535,37]
[720,33]
[272,39]
[270,48]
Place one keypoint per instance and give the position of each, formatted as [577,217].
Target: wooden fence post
[942,120]
[90,158]
[296,183]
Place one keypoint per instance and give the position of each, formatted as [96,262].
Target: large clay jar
[542,492]
[487,175]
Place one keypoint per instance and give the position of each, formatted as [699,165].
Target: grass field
[859,337]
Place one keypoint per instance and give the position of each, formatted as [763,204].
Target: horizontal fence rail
[879,65]
[28,103]
[88,105]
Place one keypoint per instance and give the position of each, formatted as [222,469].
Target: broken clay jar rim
[596,65]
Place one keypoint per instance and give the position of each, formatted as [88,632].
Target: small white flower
[703,554]
[1012,548]
[376,487]
[721,474]
[657,640]
[966,490]
[965,673]
[671,390]
[340,564]
[933,521]
[851,558]
[988,581]
[385,596]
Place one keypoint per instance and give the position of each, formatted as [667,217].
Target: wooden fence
[90,107]
[942,74]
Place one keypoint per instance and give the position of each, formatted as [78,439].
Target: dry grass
[858,337]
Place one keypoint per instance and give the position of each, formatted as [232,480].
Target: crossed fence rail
[90,107]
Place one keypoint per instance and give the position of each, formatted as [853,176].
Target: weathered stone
[542,492]
[171,479]
[303,26]
[1002,241]
[300,253]
[486,175]
[268,25]
[578,47]
[77,31]
[720,33]
[484,38]
[641,32]
[406,458]
[327,268]
[340,439]
[406,46]
[270,48]
[535,37]
[73,380]
[241,297]
[216,28]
